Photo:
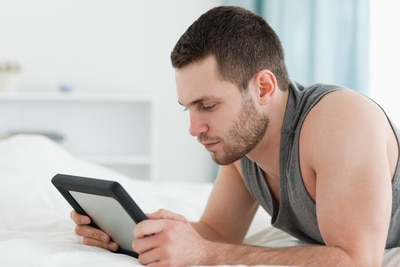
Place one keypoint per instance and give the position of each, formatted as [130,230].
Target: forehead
[201,80]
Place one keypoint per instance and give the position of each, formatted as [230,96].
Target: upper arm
[230,208]
[347,148]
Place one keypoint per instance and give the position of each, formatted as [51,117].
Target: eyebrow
[199,100]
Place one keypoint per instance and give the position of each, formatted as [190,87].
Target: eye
[209,107]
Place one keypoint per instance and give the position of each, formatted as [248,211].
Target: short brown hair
[241,42]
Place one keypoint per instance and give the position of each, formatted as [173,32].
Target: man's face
[245,133]
[223,120]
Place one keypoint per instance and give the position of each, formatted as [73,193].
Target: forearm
[207,232]
[167,242]
[221,251]
[229,254]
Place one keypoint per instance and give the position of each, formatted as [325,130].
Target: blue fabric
[325,41]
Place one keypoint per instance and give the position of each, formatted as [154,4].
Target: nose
[198,125]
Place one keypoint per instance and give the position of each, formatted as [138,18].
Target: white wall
[115,46]
[385,56]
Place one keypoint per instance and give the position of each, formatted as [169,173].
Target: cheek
[220,124]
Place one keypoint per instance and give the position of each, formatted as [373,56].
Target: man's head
[229,65]
[241,42]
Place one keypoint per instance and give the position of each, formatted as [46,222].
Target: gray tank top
[296,211]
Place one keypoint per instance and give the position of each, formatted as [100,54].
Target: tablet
[108,205]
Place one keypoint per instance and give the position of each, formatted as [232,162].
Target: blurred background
[93,52]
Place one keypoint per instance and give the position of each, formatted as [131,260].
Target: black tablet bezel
[65,183]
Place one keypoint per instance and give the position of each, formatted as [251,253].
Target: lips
[209,146]
[207,141]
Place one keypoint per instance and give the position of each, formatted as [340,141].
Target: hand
[91,235]
[167,239]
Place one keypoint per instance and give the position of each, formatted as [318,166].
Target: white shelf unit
[116,130]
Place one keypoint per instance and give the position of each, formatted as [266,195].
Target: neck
[266,153]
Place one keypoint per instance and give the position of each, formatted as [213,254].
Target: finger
[98,243]
[141,245]
[95,237]
[149,258]
[91,232]
[165,214]
[148,227]
[79,218]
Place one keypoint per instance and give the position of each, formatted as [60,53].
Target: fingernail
[112,246]
[103,238]
[85,221]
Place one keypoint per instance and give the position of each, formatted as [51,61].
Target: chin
[222,161]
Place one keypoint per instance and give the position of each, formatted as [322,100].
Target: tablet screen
[109,216]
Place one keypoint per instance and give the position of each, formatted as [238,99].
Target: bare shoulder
[340,133]
[346,105]
[345,115]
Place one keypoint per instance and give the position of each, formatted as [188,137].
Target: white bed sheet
[35,228]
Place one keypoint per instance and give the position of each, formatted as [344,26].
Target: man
[322,160]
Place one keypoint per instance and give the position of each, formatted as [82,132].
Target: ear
[267,85]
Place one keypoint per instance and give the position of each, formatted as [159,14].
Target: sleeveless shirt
[296,211]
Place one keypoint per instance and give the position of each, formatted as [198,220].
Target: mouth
[209,146]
